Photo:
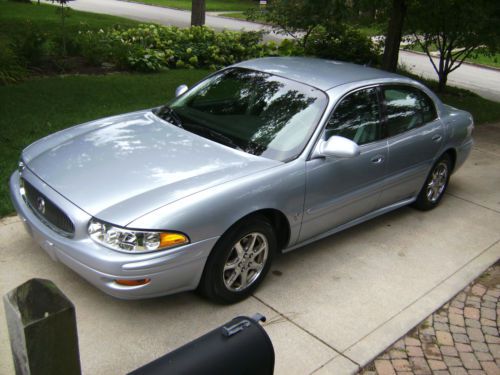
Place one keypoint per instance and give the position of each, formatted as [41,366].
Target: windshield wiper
[214,135]
[169,114]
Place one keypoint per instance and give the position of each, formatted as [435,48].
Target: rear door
[415,137]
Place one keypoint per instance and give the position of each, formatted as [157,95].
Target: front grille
[48,212]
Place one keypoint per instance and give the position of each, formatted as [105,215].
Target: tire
[435,185]
[223,279]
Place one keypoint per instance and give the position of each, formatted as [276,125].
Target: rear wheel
[433,190]
[239,261]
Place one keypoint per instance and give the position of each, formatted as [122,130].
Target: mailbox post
[42,329]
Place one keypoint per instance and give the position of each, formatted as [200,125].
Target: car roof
[320,73]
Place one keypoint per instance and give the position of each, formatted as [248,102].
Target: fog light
[132,282]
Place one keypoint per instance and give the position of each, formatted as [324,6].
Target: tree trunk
[394,34]
[198,13]
[443,78]
[63,23]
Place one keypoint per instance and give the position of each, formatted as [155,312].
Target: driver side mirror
[180,90]
[337,146]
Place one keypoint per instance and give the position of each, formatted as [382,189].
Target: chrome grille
[47,212]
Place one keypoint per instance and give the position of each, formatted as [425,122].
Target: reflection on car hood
[120,168]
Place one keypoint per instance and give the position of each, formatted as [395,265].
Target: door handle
[437,138]
[377,159]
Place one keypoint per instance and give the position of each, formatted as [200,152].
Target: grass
[33,109]
[483,110]
[211,5]
[14,16]
[239,16]
[481,58]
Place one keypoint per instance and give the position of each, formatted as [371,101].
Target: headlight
[20,166]
[133,241]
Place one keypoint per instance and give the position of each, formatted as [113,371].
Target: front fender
[211,212]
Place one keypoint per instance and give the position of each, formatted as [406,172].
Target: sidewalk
[460,338]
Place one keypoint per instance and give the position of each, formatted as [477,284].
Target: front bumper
[170,271]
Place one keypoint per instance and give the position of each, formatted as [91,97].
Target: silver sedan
[261,157]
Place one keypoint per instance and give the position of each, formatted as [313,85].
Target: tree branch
[463,59]
[426,50]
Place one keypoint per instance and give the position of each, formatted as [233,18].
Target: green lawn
[238,15]
[483,59]
[33,109]
[211,5]
[483,110]
[14,16]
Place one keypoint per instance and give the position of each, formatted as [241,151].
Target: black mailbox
[239,347]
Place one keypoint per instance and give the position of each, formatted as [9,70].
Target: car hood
[120,168]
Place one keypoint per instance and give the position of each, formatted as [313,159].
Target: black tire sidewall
[212,284]
[423,202]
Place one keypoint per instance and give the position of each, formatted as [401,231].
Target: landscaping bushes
[145,48]
[12,69]
[31,41]
[155,48]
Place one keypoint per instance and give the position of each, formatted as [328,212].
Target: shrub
[12,68]
[341,43]
[32,44]
[155,48]
[98,47]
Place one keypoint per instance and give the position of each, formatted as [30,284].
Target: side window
[357,117]
[407,108]
[427,107]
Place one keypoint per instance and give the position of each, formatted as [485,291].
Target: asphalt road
[164,16]
[485,82]
[482,81]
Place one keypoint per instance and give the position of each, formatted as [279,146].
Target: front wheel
[239,261]
[433,190]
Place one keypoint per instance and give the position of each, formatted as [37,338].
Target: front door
[339,190]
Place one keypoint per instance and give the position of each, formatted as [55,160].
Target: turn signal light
[132,282]
[172,239]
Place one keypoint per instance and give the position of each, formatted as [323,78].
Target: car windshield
[259,113]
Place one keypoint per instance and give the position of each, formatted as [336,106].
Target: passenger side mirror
[181,90]
[336,146]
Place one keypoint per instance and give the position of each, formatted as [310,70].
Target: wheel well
[279,222]
[453,156]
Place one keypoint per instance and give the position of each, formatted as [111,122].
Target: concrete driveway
[331,306]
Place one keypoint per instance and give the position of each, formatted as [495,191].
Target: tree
[63,23]
[456,28]
[198,12]
[299,18]
[393,35]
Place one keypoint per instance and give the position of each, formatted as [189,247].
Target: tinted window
[357,117]
[406,109]
[256,112]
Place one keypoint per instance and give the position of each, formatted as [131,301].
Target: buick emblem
[40,205]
